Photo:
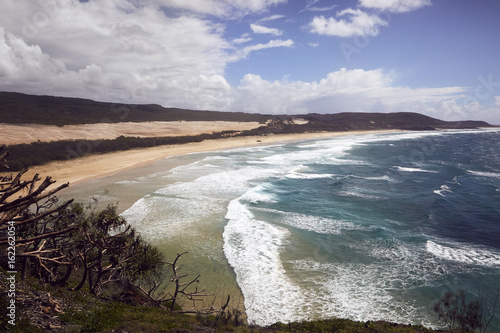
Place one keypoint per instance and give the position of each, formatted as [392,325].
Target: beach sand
[93,166]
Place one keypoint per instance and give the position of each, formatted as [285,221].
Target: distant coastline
[94,166]
[74,139]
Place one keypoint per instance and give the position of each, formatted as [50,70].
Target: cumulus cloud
[346,91]
[356,22]
[259,29]
[84,50]
[395,6]
[349,23]
[124,51]
[497,100]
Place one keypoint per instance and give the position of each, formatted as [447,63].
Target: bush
[458,313]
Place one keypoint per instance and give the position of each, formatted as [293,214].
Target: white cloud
[259,29]
[123,52]
[271,18]
[221,8]
[320,9]
[241,40]
[347,91]
[118,53]
[395,6]
[350,22]
[310,6]
[497,100]
[243,53]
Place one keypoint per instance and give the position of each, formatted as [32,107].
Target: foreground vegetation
[80,311]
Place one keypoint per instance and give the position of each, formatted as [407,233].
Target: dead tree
[27,208]
[52,239]
[181,288]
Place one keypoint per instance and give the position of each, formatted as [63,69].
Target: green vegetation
[37,153]
[17,108]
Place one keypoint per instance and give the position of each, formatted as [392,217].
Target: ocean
[366,227]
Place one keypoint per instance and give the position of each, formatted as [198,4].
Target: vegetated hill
[360,121]
[17,108]
[351,121]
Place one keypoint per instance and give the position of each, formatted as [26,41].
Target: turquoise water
[367,227]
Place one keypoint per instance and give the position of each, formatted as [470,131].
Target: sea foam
[253,249]
[466,254]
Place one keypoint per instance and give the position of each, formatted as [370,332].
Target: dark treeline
[37,153]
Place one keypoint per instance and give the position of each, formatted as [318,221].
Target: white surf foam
[485,174]
[300,175]
[443,190]
[253,248]
[362,291]
[313,223]
[358,194]
[464,254]
[261,193]
[384,177]
[200,198]
[405,169]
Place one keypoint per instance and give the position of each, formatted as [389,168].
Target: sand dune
[26,133]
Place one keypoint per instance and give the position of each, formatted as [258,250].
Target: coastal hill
[18,108]
[400,120]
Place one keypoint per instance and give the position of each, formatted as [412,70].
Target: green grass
[120,316]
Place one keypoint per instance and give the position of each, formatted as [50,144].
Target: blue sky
[436,57]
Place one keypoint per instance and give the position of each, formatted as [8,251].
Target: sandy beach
[90,167]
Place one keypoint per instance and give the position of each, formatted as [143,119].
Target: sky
[435,57]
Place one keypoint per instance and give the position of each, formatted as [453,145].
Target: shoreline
[99,165]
